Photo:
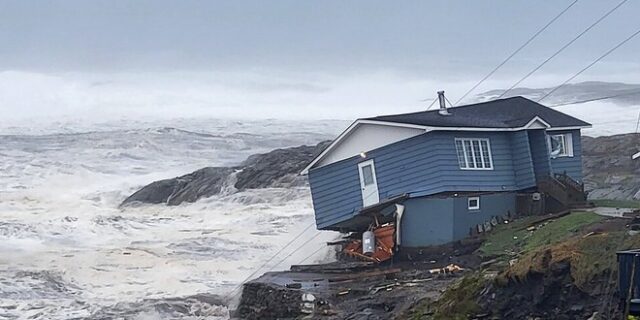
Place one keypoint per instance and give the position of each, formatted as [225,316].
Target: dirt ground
[571,277]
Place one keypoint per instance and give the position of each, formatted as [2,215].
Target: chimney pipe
[443,104]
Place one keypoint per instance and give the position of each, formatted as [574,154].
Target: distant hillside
[625,92]
[609,171]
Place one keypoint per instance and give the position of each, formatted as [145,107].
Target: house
[442,175]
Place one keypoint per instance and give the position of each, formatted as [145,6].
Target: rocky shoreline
[278,168]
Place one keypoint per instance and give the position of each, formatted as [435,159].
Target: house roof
[512,112]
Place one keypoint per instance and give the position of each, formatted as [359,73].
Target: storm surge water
[68,251]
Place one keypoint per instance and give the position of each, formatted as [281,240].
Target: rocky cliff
[609,171]
[278,168]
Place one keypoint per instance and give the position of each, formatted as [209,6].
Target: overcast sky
[323,59]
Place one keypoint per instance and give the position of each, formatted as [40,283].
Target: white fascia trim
[355,124]
[569,128]
[346,133]
[537,119]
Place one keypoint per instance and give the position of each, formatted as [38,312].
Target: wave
[68,251]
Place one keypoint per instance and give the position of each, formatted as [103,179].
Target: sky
[289,59]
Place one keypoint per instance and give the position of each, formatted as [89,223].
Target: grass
[617,203]
[458,302]
[507,240]
[589,257]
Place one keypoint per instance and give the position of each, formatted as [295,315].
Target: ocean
[67,251]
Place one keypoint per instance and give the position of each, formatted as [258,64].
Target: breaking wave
[68,251]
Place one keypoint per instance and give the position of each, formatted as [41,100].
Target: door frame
[362,185]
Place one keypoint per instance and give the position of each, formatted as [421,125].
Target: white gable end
[366,137]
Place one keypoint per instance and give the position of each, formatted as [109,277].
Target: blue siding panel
[424,164]
[571,165]
[522,161]
[491,205]
[427,221]
[539,153]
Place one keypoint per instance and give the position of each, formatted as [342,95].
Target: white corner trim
[355,124]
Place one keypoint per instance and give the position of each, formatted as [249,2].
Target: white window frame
[477,206]
[466,158]
[567,140]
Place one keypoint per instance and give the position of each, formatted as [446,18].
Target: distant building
[452,171]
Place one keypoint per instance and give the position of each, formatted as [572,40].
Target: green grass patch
[507,240]
[458,302]
[589,257]
[617,203]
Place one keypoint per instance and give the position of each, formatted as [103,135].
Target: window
[474,203]
[474,154]
[560,145]
[367,175]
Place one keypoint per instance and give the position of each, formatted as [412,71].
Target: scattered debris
[452,268]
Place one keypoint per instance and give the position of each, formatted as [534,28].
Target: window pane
[557,145]
[474,203]
[476,154]
[469,150]
[460,151]
[367,175]
[485,154]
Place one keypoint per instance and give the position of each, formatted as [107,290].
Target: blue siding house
[442,175]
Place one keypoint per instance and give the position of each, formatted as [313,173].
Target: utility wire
[432,103]
[312,254]
[233,294]
[591,64]
[638,123]
[270,259]
[526,43]
[564,47]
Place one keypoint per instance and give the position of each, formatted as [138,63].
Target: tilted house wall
[416,163]
[426,164]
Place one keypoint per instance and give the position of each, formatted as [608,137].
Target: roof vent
[443,104]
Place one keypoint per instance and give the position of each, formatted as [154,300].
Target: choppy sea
[68,252]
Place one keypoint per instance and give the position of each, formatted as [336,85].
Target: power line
[535,35]
[638,123]
[312,254]
[563,47]
[431,105]
[271,259]
[231,294]
[591,64]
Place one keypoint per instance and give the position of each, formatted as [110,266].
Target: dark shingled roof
[512,112]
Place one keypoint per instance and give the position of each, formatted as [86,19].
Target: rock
[609,172]
[278,168]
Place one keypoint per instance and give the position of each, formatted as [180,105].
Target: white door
[368,183]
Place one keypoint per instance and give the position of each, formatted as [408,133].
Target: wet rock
[278,168]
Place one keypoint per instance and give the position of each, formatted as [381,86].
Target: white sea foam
[67,251]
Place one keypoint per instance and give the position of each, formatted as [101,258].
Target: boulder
[278,168]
